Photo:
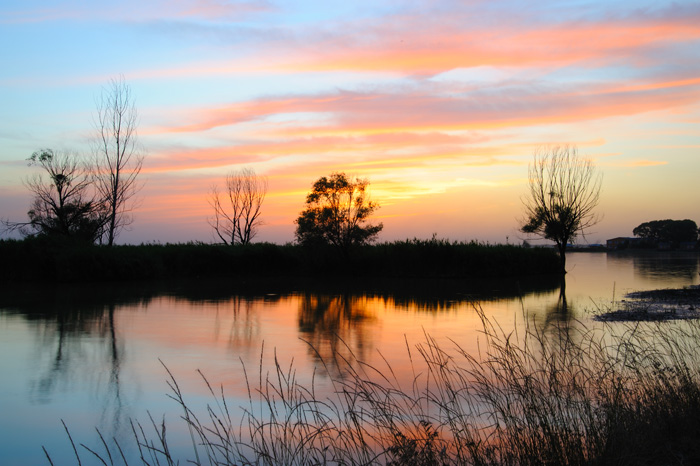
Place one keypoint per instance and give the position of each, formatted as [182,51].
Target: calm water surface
[93,356]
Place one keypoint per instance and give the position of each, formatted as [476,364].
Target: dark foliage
[442,258]
[64,260]
[67,259]
[672,231]
[336,213]
[64,203]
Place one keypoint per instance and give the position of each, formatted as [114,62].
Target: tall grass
[442,258]
[62,260]
[620,394]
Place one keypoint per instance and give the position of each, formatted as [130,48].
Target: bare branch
[564,190]
[236,218]
[118,156]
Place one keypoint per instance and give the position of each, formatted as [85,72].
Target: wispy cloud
[431,43]
[208,10]
[436,109]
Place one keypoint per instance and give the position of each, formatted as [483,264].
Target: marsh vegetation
[571,396]
[62,260]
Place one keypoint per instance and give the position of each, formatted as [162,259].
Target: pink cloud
[414,45]
[433,111]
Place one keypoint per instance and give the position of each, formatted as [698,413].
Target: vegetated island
[49,260]
[657,305]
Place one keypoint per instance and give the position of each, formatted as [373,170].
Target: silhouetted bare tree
[337,209]
[237,211]
[64,205]
[564,190]
[118,156]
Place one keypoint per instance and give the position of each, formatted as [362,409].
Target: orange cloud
[440,109]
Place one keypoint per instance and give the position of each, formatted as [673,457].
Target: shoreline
[656,306]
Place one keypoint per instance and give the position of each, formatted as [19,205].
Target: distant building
[688,245]
[623,242]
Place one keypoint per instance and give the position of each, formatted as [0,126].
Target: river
[95,355]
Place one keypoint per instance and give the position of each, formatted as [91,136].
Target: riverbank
[40,259]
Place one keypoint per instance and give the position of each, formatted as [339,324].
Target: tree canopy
[64,205]
[336,213]
[673,231]
[564,190]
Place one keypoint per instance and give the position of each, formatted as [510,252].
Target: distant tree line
[669,231]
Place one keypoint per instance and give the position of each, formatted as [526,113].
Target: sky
[439,104]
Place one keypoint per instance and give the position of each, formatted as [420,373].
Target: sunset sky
[440,104]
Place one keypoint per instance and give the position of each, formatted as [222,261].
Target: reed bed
[61,260]
[623,394]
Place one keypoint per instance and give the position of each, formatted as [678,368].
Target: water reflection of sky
[92,355]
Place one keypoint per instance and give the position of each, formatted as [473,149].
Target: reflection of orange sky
[219,335]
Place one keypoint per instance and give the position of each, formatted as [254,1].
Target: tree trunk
[562,258]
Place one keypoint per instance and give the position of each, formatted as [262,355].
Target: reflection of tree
[335,327]
[662,265]
[434,304]
[559,317]
[81,342]
[245,327]
[114,356]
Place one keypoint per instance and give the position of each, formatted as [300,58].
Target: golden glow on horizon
[433,104]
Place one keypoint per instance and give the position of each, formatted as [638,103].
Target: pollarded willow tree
[237,211]
[118,156]
[564,191]
[337,211]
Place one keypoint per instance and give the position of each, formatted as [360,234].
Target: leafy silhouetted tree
[118,156]
[237,210]
[563,191]
[673,231]
[64,205]
[337,209]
